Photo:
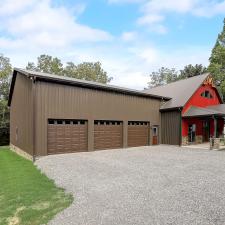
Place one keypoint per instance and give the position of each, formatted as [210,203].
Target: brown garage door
[138,133]
[67,136]
[108,134]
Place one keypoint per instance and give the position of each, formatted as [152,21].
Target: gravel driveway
[144,185]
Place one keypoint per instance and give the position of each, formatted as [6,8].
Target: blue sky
[131,38]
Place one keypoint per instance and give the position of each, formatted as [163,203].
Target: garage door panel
[67,136]
[138,133]
[108,134]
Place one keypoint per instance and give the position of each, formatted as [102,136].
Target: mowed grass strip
[26,195]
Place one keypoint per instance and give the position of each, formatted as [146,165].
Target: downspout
[160,122]
[33,78]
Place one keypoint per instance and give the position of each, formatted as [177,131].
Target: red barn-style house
[194,113]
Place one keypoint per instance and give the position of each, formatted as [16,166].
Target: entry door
[206,130]
[191,133]
[155,135]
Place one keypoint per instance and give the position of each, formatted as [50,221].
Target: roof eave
[79,83]
[171,109]
[12,84]
[93,86]
[216,114]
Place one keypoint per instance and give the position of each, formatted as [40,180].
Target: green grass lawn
[26,195]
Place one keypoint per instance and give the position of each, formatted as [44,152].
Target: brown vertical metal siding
[21,115]
[71,102]
[171,127]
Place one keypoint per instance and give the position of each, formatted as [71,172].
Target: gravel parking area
[144,185]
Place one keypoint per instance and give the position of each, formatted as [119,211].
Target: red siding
[186,122]
[199,101]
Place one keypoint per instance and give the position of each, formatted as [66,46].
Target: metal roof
[78,82]
[179,92]
[194,111]
[220,107]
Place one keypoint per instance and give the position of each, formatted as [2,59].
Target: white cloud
[149,19]
[148,55]
[169,5]
[38,27]
[8,7]
[131,66]
[129,36]
[125,1]
[210,9]
[154,12]
[153,21]
[43,25]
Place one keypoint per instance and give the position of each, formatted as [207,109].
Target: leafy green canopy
[5,72]
[217,61]
[165,75]
[91,71]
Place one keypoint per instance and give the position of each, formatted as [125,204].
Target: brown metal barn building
[55,114]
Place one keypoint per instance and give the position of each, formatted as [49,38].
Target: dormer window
[206,94]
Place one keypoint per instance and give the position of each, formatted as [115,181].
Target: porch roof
[216,110]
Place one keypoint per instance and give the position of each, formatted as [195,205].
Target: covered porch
[200,125]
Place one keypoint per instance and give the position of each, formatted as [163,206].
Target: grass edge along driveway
[27,196]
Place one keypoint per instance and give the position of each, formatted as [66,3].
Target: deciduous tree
[191,71]
[87,71]
[5,73]
[217,61]
[47,64]
[162,76]
[91,71]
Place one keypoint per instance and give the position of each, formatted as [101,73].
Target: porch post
[215,126]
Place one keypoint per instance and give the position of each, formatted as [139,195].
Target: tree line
[93,71]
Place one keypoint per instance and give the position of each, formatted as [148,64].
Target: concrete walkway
[205,145]
[141,186]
